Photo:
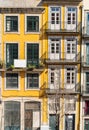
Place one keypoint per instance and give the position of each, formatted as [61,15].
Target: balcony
[67,89]
[63,58]
[23,65]
[62,28]
[86,32]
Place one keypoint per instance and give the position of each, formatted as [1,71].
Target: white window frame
[26,89]
[40,23]
[18,81]
[18,32]
[77,10]
[49,14]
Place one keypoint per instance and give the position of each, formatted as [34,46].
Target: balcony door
[87,24]
[87,53]
[71,18]
[54,49]
[86,124]
[70,122]
[87,82]
[71,49]
[33,54]
[55,18]
[53,122]
[54,78]
[70,79]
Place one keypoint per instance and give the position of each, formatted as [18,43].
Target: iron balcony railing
[59,26]
[63,88]
[64,56]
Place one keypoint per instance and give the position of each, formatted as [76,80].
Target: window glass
[11,53]
[11,115]
[32,81]
[33,54]
[12,80]
[32,23]
[11,23]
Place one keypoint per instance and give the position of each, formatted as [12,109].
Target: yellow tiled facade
[40,49]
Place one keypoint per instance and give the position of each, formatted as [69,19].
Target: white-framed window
[71,18]
[70,75]
[12,23]
[12,80]
[32,23]
[71,46]
[32,81]
[54,17]
[54,77]
[70,105]
[12,115]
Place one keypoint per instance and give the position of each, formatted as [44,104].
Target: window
[33,54]
[12,80]
[11,23]
[71,46]
[32,81]
[32,23]
[70,105]
[70,75]
[87,82]
[32,116]
[70,122]
[86,110]
[11,115]
[54,121]
[11,53]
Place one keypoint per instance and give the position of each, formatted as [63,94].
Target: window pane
[32,81]
[33,54]
[11,53]
[11,23]
[32,23]
[11,80]
[11,115]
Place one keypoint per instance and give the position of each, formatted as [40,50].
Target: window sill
[32,89]
[32,32]
[11,32]
[10,89]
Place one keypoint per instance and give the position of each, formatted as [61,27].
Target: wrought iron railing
[60,26]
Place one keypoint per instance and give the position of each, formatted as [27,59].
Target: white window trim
[26,23]
[77,10]
[65,41]
[49,41]
[54,67]
[75,67]
[18,32]
[18,81]
[32,89]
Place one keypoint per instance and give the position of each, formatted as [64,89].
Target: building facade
[40,75]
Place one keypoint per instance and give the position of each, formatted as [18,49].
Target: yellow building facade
[40,77]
